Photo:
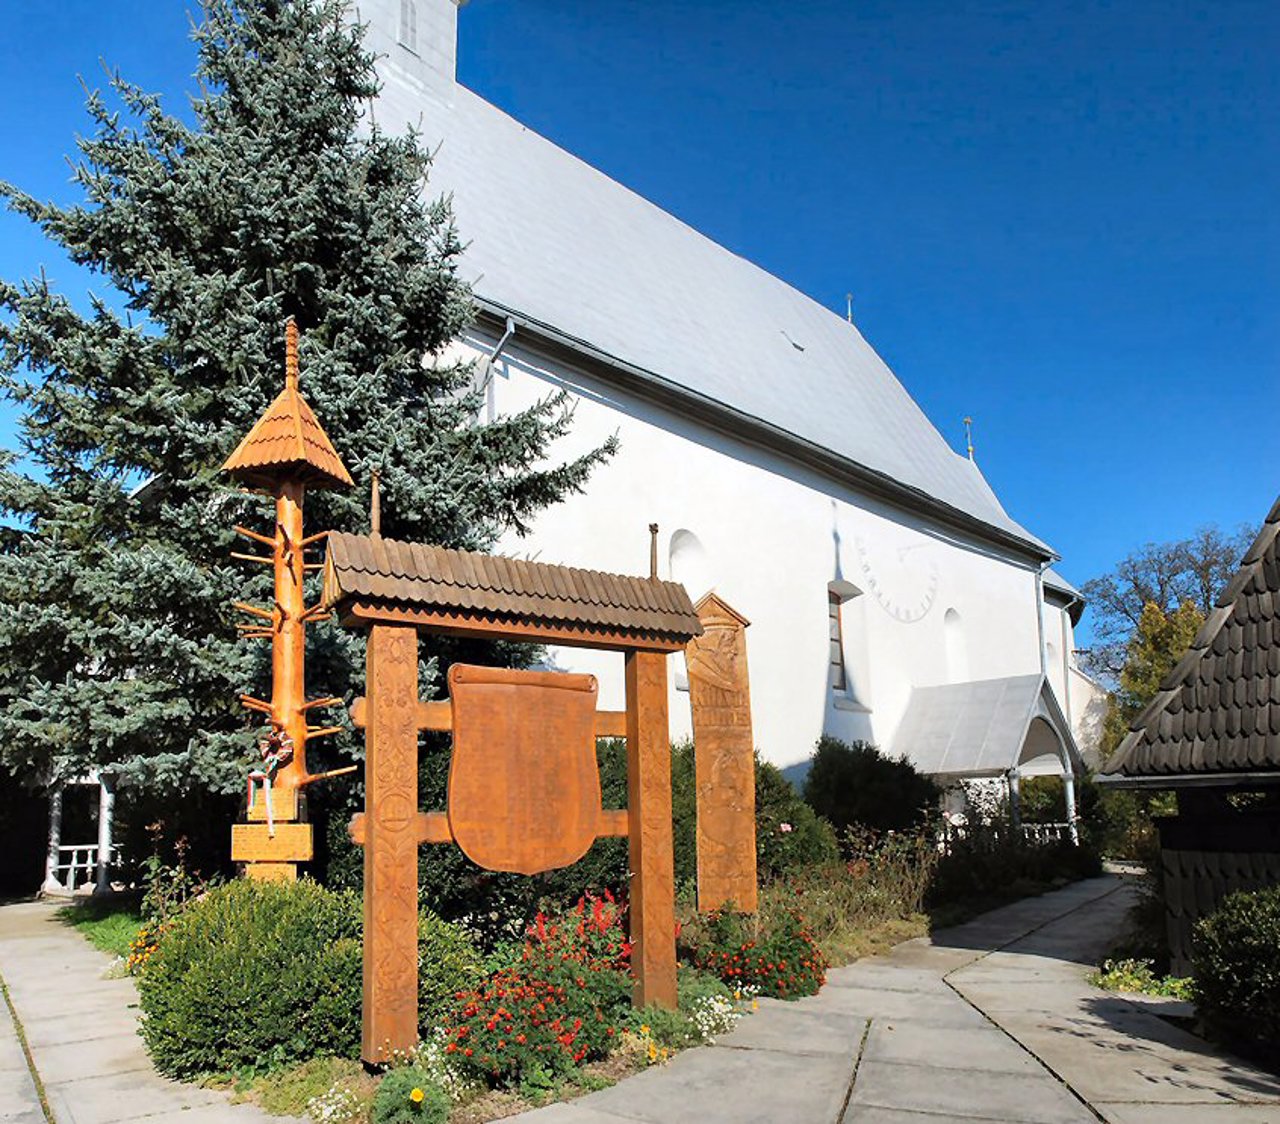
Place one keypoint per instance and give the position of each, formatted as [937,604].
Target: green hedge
[1236,958]
[257,975]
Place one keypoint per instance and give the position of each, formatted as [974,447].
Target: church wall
[922,605]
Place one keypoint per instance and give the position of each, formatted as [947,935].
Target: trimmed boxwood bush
[1236,958]
[254,975]
[257,975]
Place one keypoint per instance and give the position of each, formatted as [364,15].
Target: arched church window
[690,563]
[409,24]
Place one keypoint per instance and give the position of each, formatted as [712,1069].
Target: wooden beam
[653,922]
[390,1008]
[362,614]
[429,827]
[439,716]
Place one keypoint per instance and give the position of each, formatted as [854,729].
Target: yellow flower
[644,1028]
[653,1051]
[416,1096]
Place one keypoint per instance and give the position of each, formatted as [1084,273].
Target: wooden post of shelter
[524,786]
[286,452]
[391,842]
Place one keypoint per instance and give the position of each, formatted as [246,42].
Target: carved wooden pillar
[390,1019]
[653,923]
[724,755]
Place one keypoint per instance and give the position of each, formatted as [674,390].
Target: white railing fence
[78,865]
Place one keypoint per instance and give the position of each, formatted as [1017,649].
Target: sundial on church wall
[900,573]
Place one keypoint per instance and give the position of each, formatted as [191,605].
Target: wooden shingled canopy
[288,438]
[1216,719]
[466,593]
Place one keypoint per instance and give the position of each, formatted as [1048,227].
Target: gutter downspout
[491,409]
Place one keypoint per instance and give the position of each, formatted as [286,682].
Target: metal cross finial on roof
[968,435]
[653,550]
[291,354]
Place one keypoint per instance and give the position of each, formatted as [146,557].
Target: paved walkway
[990,1021]
[81,1029]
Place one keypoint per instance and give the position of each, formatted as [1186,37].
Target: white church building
[891,597]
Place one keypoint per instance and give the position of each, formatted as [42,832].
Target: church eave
[558,346]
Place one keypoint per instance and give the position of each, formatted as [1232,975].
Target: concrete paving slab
[1034,1098]
[721,1084]
[948,1048]
[900,1006]
[793,1028]
[98,1057]
[572,1113]
[125,1096]
[1189,1114]
[886,975]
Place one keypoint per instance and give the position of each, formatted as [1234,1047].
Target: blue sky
[1058,218]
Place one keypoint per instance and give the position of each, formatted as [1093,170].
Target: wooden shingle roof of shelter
[288,441]
[468,592]
[1217,714]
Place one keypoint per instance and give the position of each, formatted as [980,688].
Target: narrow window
[409,24]
[839,678]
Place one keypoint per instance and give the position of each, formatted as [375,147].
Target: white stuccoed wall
[770,536]
[773,535]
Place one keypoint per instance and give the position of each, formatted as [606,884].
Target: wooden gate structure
[524,788]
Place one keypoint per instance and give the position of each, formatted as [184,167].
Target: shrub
[408,1096]
[769,955]
[448,962]
[254,975]
[855,785]
[558,1005]
[988,863]
[258,975]
[1236,958]
[790,835]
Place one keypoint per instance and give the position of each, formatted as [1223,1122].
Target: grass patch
[109,924]
[290,1091]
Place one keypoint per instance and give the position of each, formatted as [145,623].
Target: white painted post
[51,884]
[106,812]
[1015,799]
[1069,789]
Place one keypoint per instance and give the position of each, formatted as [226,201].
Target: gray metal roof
[1217,714]
[559,243]
[978,728]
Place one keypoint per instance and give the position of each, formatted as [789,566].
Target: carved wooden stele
[724,754]
[524,786]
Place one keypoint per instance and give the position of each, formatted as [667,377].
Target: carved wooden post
[390,1020]
[724,755]
[653,923]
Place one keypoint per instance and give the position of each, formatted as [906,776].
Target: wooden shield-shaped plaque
[524,787]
